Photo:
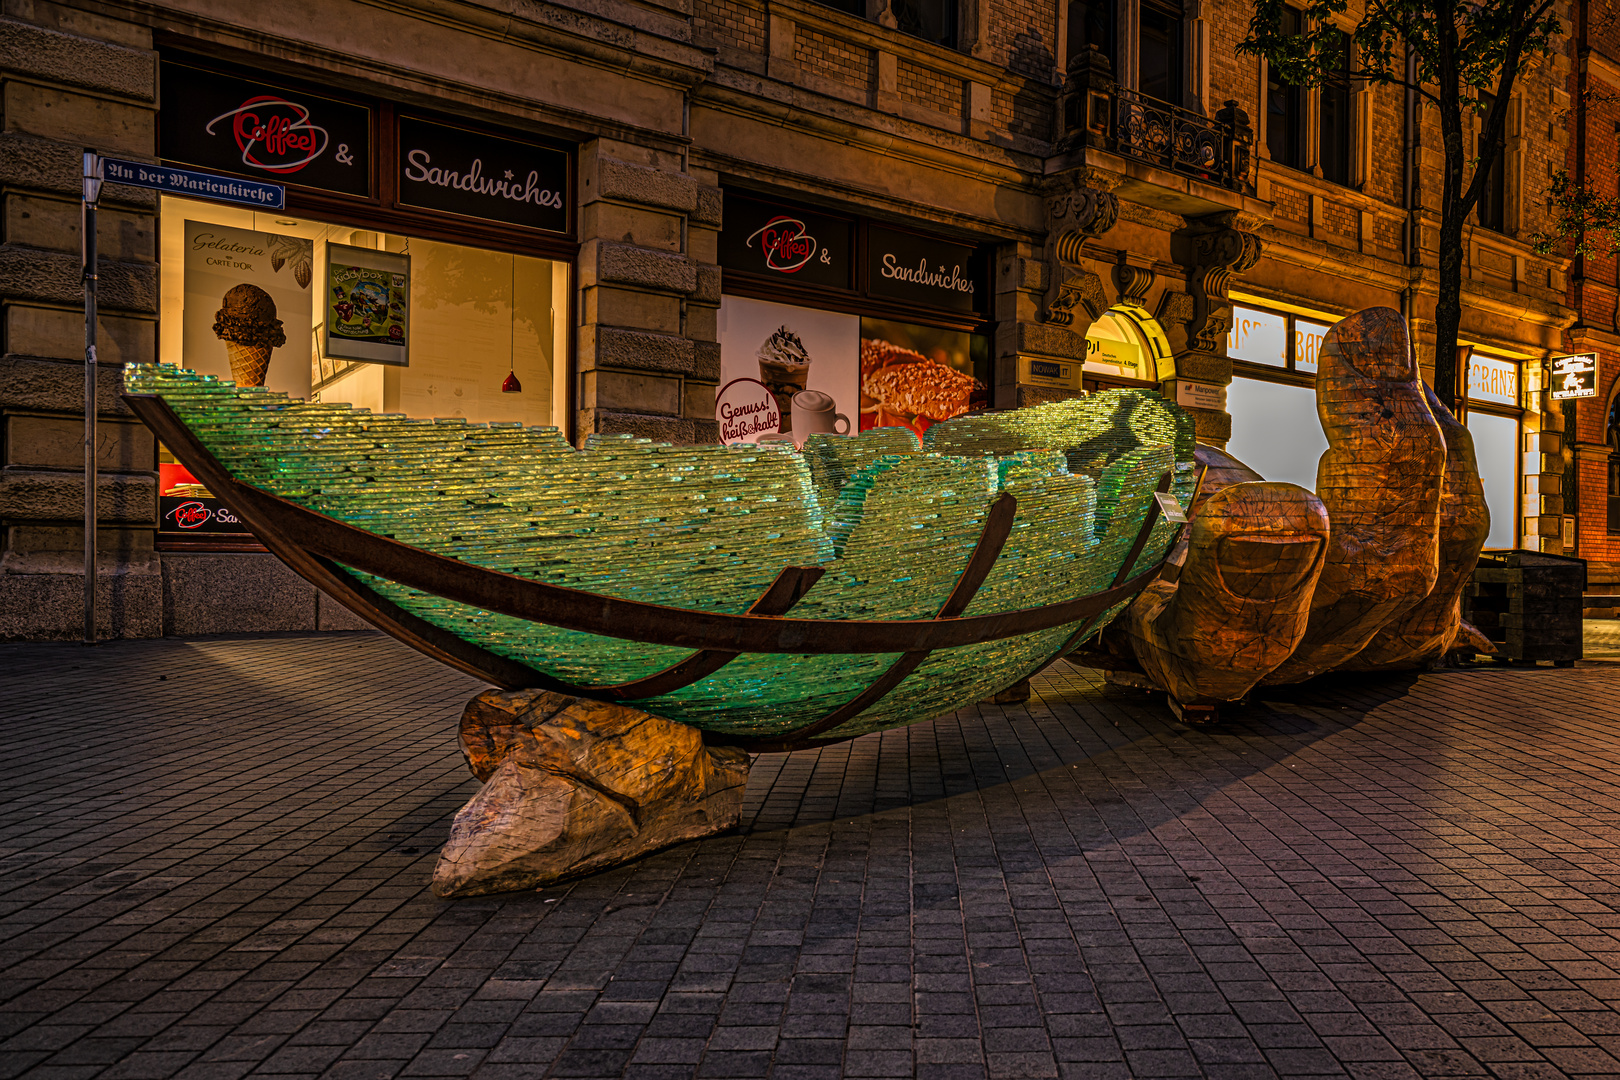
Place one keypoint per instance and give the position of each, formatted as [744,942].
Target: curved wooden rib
[1142,535]
[276,519]
[788,589]
[997,526]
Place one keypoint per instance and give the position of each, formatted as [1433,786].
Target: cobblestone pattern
[929,88]
[214,853]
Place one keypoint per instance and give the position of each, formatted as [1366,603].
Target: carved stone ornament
[1219,255]
[1075,213]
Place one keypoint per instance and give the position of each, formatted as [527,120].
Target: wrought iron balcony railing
[1173,138]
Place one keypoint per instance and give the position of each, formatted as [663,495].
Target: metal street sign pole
[87,246]
[188,182]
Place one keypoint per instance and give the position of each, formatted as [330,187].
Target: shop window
[1334,122]
[1275,339]
[326,312]
[1496,449]
[1492,209]
[1285,108]
[931,20]
[1091,22]
[1159,52]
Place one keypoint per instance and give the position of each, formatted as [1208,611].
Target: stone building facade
[1126,200]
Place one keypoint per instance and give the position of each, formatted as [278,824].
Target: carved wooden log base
[573,786]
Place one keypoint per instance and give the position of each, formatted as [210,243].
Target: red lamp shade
[511,385]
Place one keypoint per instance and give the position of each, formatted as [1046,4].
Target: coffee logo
[787,244]
[745,409]
[194,515]
[275,135]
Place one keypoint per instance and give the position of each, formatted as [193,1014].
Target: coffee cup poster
[368,305]
[792,349]
[249,304]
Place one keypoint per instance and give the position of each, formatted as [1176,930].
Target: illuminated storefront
[422,265]
[1272,398]
[1495,417]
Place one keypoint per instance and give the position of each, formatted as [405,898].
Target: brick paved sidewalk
[215,852]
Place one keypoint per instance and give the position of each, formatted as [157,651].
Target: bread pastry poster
[808,359]
[249,304]
[367,305]
[915,376]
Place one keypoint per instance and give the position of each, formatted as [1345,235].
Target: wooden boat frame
[319,547]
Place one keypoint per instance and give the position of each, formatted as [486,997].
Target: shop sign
[1056,374]
[1573,376]
[745,409]
[1193,395]
[465,172]
[1124,355]
[1260,337]
[1308,343]
[786,244]
[921,270]
[1493,380]
[186,507]
[368,305]
[259,130]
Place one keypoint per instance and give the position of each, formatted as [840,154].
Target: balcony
[1099,113]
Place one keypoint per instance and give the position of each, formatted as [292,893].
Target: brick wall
[1023,36]
[1022,113]
[832,58]
[1340,218]
[929,88]
[1291,203]
[719,22]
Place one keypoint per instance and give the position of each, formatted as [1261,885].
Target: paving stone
[1362,877]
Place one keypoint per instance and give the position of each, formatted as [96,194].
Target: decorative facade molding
[1219,254]
[1075,213]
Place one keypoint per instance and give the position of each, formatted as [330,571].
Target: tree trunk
[1448,304]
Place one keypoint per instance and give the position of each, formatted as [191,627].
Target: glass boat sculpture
[772,598]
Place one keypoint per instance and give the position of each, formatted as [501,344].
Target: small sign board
[1573,376]
[197,185]
[1170,507]
[745,409]
[1193,395]
[368,305]
[1057,374]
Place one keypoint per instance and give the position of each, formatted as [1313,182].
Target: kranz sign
[255,129]
[922,270]
[786,244]
[475,175]
[1572,376]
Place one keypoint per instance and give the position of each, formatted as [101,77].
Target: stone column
[1215,251]
[73,81]
[649,290]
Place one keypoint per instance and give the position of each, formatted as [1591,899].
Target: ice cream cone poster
[249,303]
[789,350]
[916,376]
[368,305]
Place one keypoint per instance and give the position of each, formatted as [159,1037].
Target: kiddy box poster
[368,305]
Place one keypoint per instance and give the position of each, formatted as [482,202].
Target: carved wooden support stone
[1380,479]
[1243,598]
[573,786]
[1426,632]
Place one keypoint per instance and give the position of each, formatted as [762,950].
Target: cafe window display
[421,267]
[845,325]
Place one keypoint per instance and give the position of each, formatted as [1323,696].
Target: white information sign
[1492,379]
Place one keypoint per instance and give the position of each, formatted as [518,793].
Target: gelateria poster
[368,305]
[249,304]
[791,349]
